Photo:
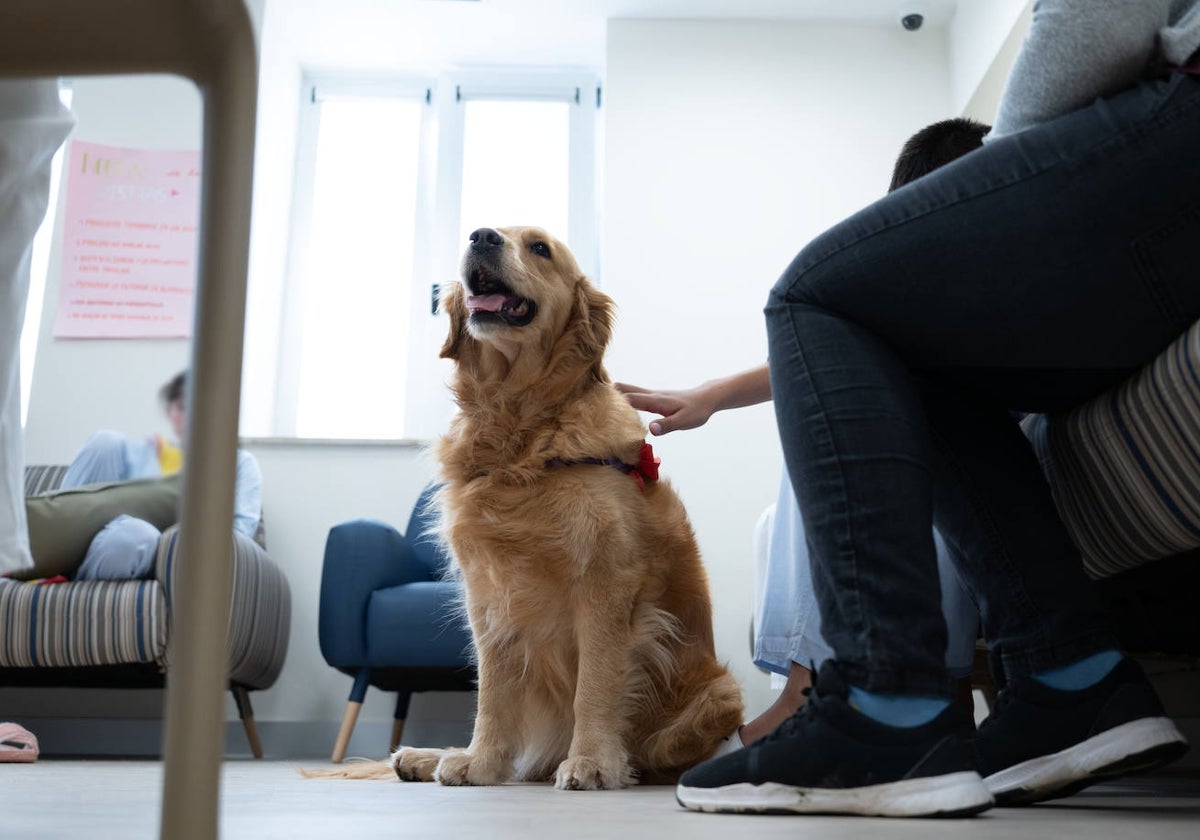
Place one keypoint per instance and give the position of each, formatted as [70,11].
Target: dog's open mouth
[491,300]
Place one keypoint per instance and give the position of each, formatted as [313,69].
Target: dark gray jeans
[1029,275]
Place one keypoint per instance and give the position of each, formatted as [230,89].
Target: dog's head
[523,296]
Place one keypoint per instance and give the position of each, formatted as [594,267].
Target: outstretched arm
[689,408]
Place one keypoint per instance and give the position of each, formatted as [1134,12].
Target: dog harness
[646,469]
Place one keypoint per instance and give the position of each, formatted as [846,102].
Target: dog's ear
[594,314]
[452,304]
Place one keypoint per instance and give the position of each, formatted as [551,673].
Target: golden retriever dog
[587,599]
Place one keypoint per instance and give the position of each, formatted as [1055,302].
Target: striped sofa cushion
[1124,468]
[43,478]
[84,623]
[260,622]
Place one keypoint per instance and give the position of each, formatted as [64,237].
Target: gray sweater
[1078,50]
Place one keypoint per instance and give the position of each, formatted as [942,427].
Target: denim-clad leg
[111,456]
[1027,275]
[788,619]
[123,550]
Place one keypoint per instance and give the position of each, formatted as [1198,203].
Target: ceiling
[420,33]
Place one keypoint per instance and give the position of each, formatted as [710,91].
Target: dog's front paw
[471,769]
[415,765]
[583,773]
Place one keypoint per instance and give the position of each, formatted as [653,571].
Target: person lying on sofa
[126,546]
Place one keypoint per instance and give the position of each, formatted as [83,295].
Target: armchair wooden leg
[241,696]
[343,736]
[361,680]
[398,719]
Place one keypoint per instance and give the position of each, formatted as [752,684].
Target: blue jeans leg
[1027,275]
[788,620]
[109,456]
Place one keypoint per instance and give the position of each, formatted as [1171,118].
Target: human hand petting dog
[684,409]
[692,407]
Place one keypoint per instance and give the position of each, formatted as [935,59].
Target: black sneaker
[1041,743]
[829,758]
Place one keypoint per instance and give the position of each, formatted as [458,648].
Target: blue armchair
[389,617]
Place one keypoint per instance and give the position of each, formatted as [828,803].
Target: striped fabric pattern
[85,623]
[43,478]
[260,623]
[1124,468]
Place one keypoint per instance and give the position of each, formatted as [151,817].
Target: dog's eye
[541,249]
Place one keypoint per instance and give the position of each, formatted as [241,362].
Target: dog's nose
[485,239]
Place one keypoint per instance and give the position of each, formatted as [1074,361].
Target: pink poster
[129,243]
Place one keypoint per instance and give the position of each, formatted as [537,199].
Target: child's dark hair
[935,146]
[173,390]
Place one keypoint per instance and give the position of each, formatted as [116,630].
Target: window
[358,269]
[391,179]
[515,165]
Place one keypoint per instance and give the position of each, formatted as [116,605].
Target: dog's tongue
[488,303]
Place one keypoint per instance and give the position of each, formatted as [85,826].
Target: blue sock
[897,709]
[1082,674]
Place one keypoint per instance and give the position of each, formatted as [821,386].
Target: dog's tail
[354,769]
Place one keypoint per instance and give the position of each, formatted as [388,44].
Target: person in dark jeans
[1028,276]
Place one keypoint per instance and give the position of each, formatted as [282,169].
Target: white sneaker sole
[1130,747]
[955,794]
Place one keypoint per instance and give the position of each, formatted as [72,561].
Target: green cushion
[63,523]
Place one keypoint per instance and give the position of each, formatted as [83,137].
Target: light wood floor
[98,800]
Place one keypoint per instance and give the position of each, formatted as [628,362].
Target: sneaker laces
[812,708]
[827,689]
[800,718]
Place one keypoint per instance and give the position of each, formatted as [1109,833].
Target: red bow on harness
[646,469]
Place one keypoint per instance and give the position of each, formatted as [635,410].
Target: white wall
[729,146]
[977,35]
[984,103]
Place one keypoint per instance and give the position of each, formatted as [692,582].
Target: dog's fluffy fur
[587,599]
